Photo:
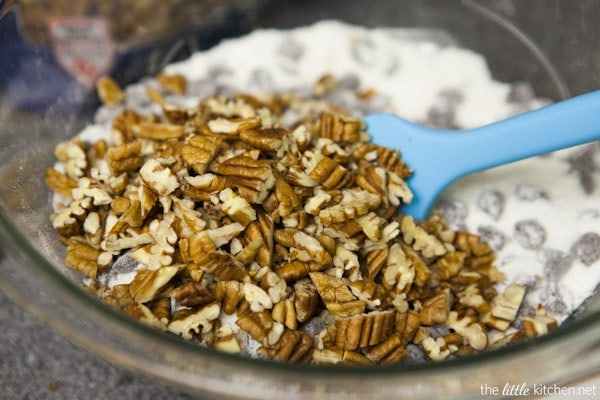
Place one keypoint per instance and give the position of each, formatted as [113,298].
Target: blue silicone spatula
[439,157]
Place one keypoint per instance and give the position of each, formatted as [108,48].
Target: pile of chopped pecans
[245,230]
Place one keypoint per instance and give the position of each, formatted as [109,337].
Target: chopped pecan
[473,330]
[255,175]
[327,172]
[125,157]
[226,340]
[200,151]
[388,351]
[450,264]
[189,321]
[261,327]
[284,312]
[436,349]
[69,221]
[157,130]
[436,309]
[539,324]
[306,300]
[308,249]
[336,295]
[287,199]
[364,330]
[376,259]
[224,266]
[273,141]
[372,179]
[192,294]
[147,283]
[258,299]
[236,207]
[505,307]
[83,258]
[385,157]
[340,128]
[230,294]
[293,346]
[109,92]
[419,239]
[262,229]
[159,177]
[172,82]
[354,203]
[72,157]
[143,314]
[59,182]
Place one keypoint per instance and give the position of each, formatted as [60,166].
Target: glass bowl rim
[61,282]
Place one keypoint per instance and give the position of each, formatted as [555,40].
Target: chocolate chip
[557,263]
[492,203]
[441,117]
[529,192]
[414,353]
[438,330]
[492,236]
[443,112]
[261,79]
[349,81]
[583,165]
[291,49]
[551,298]
[363,52]
[530,234]
[520,93]
[587,248]
[124,264]
[455,212]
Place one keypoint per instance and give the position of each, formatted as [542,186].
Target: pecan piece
[59,182]
[336,295]
[364,330]
[157,130]
[187,322]
[505,307]
[270,140]
[255,175]
[172,82]
[192,294]
[435,309]
[125,157]
[200,151]
[109,92]
[293,346]
[340,128]
[147,283]
[306,300]
[83,258]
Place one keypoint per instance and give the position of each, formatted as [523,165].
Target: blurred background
[53,50]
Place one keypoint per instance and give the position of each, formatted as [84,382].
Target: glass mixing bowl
[552,44]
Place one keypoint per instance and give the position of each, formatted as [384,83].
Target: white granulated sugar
[565,212]
[541,218]
[94,133]
[412,73]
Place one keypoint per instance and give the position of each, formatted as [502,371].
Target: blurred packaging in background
[52,51]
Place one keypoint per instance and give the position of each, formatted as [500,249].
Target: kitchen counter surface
[38,363]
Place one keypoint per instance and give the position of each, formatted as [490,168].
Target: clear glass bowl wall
[553,48]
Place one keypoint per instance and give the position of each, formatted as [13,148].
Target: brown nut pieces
[244,231]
